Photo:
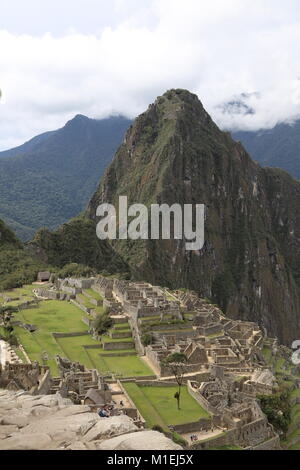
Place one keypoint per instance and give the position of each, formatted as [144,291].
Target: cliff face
[174,153]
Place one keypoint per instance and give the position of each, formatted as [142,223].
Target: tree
[102,323]
[177,363]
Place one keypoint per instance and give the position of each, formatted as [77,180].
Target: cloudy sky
[94,57]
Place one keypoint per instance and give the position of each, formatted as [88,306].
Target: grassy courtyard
[159,407]
[49,317]
[55,316]
[125,366]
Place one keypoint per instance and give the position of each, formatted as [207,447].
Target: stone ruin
[30,377]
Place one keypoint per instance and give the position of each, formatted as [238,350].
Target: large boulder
[80,424]
[143,440]
[16,419]
[109,427]
[51,422]
[20,441]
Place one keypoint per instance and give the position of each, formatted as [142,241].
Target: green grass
[295,418]
[85,301]
[51,316]
[74,350]
[161,399]
[147,410]
[123,325]
[267,354]
[279,365]
[126,366]
[93,294]
[108,351]
[20,301]
[123,366]
[34,345]
[295,446]
[216,335]
[25,290]
[20,355]
[295,410]
[292,436]
[107,339]
[164,401]
[121,330]
[63,317]
[130,366]
[295,393]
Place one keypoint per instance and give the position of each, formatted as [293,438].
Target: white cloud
[218,49]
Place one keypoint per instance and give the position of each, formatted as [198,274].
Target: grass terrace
[159,407]
[121,366]
[93,294]
[49,317]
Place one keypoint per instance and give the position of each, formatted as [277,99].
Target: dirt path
[202,436]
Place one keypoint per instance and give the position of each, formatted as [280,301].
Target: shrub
[146,339]
[77,270]
[277,408]
[102,323]
[158,428]
[179,440]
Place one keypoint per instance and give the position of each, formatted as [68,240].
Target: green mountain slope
[51,178]
[17,267]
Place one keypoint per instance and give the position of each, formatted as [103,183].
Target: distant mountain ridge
[277,147]
[50,178]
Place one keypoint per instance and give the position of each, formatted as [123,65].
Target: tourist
[103,413]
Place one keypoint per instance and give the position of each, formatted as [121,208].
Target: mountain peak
[178,97]
[79,119]
[176,105]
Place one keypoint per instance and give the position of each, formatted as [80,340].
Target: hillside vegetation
[50,179]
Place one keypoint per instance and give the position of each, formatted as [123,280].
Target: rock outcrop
[50,422]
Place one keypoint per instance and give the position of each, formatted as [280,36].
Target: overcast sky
[59,58]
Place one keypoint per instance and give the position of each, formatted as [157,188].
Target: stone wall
[45,384]
[119,335]
[118,345]
[270,444]
[82,307]
[198,426]
[140,348]
[225,439]
[81,283]
[156,383]
[199,398]
[70,335]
